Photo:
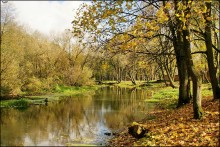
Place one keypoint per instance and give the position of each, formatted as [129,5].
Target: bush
[85,77]
[47,84]
[77,76]
[33,85]
[5,90]
[19,103]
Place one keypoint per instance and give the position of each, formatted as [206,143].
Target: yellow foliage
[123,19]
[148,25]
[208,1]
[128,5]
[161,16]
[208,18]
[168,5]
[104,66]
[150,33]
[184,27]
[134,123]
[188,15]
[156,28]
[205,9]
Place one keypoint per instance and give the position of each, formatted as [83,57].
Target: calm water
[74,120]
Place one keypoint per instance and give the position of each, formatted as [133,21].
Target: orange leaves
[178,128]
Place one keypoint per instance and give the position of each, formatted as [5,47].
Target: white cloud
[46,16]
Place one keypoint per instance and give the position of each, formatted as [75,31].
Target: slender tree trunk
[132,78]
[162,71]
[169,77]
[119,75]
[209,51]
[195,75]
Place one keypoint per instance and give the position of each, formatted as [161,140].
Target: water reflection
[78,119]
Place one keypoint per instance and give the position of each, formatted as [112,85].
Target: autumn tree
[124,25]
[10,52]
[135,23]
[207,33]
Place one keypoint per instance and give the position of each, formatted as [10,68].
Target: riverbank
[176,127]
[26,100]
[168,126]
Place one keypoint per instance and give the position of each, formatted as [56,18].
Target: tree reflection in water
[77,119]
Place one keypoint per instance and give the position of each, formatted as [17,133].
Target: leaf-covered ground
[177,127]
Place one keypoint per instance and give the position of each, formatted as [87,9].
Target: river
[74,120]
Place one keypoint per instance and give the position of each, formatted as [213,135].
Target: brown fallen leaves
[177,128]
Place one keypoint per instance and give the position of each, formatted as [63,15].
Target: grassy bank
[158,93]
[175,127]
[128,84]
[55,95]
[165,96]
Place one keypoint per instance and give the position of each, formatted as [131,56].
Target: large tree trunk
[184,88]
[210,58]
[195,75]
[184,91]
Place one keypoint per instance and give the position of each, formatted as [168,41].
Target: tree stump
[137,130]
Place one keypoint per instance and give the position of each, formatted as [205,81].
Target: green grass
[206,89]
[57,95]
[20,103]
[139,84]
[68,90]
[166,96]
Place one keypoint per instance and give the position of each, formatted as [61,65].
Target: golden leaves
[208,18]
[177,128]
[188,15]
[150,34]
[168,5]
[128,5]
[104,66]
[148,25]
[123,19]
[208,1]
[161,16]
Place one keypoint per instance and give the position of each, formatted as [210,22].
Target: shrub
[33,85]
[19,103]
